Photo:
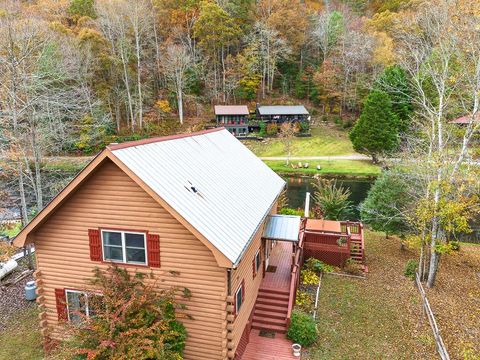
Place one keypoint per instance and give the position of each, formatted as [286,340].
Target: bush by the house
[290,211]
[318,266]
[133,320]
[302,329]
[308,277]
[410,269]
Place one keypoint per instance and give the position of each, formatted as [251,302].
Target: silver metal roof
[282,227]
[282,110]
[213,181]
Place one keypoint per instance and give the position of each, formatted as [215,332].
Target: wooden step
[273,296]
[272,302]
[272,308]
[273,291]
[279,329]
[269,321]
[271,314]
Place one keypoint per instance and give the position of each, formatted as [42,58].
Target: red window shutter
[153,249]
[95,244]
[254,268]
[61,301]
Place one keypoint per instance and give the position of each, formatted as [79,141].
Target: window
[239,295]
[80,304]
[257,261]
[125,247]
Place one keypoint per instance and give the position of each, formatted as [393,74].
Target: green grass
[376,318]
[325,141]
[351,168]
[21,339]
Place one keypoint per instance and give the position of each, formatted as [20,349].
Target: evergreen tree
[384,207]
[395,83]
[376,132]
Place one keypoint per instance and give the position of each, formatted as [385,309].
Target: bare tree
[176,64]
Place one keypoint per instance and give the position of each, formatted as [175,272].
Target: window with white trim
[238,299]
[257,260]
[80,304]
[125,247]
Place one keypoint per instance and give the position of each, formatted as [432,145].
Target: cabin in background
[282,113]
[233,117]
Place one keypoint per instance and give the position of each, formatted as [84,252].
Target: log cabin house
[196,210]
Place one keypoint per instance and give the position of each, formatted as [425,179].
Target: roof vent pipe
[307,204]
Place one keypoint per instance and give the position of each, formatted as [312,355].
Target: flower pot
[297,349]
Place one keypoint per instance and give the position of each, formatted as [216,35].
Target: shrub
[454,245]
[352,267]
[272,129]
[304,300]
[309,277]
[290,211]
[262,131]
[318,266]
[304,126]
[132,320]
[410,269]
[302,329]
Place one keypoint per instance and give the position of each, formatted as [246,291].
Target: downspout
[229,282]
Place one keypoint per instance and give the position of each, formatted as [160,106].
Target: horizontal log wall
[111,199]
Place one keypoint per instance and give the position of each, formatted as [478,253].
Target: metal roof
[282,110]
[282,227]
[212,180]
[231,110]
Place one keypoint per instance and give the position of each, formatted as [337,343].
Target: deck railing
[295,276]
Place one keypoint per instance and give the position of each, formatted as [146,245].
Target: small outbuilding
[282,113]
[233,117]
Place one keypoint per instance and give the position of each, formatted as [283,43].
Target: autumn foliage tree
[133,319]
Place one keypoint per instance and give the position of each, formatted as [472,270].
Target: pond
[298,186]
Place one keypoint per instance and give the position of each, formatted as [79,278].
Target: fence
[442,350]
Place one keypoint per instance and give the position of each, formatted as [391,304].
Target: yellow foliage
[163,106]
[6,251]
[59,27]
[384,51]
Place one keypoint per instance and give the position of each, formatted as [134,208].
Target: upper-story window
[125,247]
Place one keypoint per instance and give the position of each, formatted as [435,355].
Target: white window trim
[237,308]
[124,247]
[257,266]
[87,310]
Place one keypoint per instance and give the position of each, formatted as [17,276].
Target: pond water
[298,186]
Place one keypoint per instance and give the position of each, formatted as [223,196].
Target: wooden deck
[264,348]
[281,257]
[271,309]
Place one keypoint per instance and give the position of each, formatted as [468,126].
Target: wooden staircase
[357,250]
[271,310]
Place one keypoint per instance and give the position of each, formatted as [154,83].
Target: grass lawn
[21,339]
[351,168]
[377,318]
[325,141]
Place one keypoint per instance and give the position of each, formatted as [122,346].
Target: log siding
[111,199]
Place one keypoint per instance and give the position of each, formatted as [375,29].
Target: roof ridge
[160,139]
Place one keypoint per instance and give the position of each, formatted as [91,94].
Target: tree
[287,133]
[394,82]
[132,320]
[176,64]
[331,200]
[376,132]
[328,28]
[386,206]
